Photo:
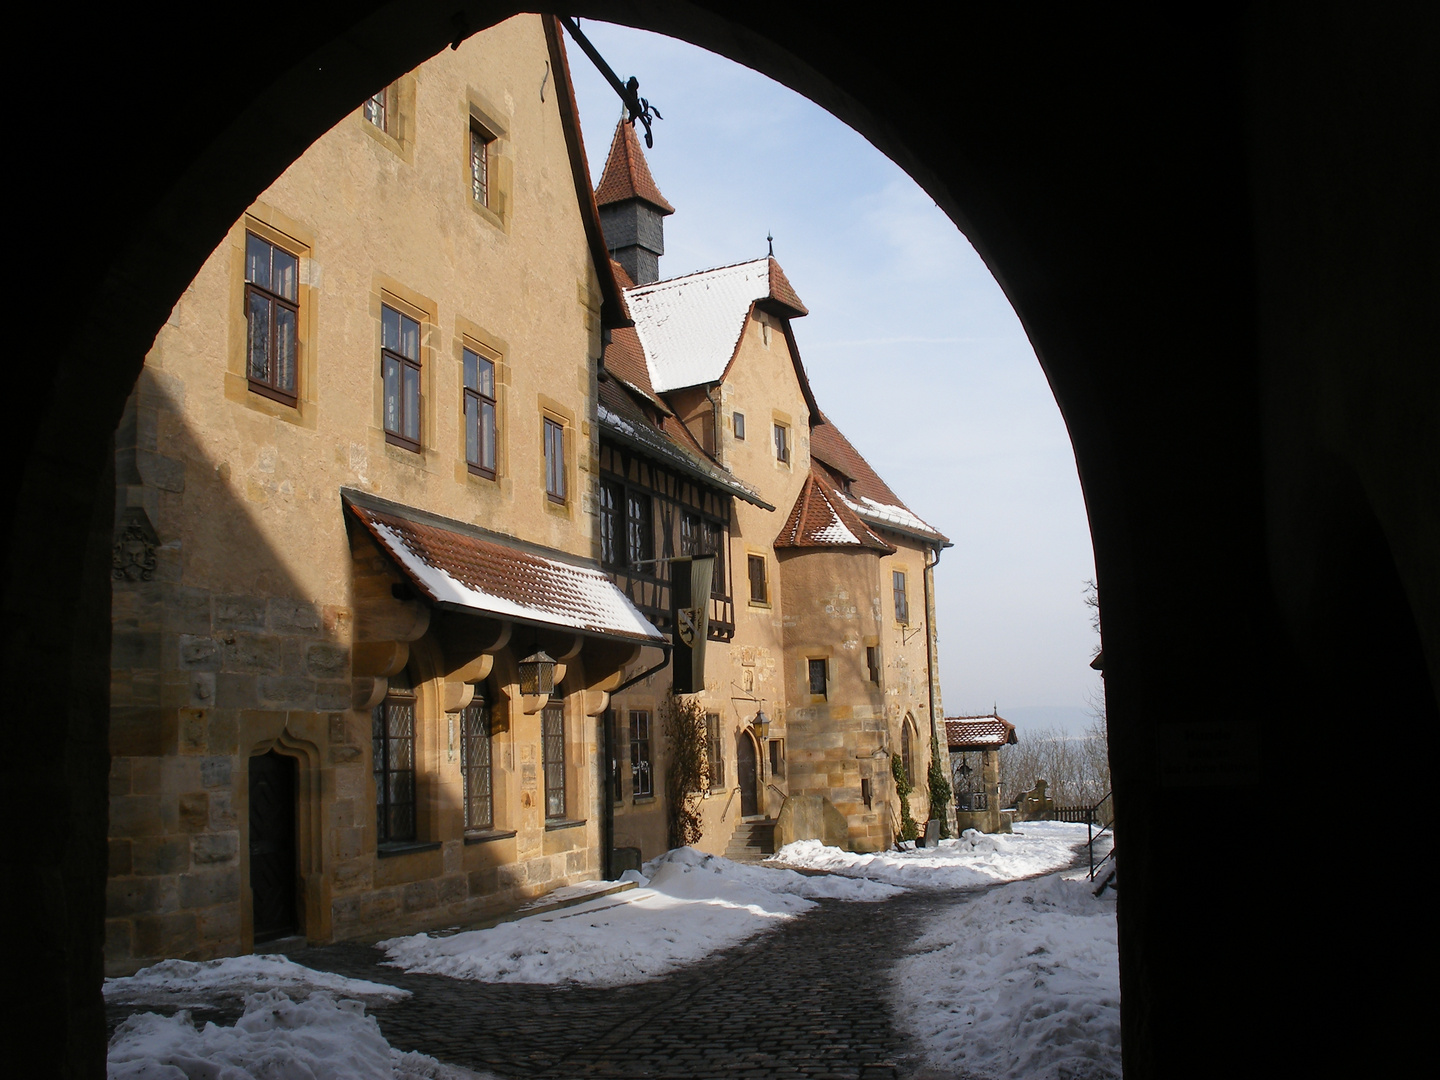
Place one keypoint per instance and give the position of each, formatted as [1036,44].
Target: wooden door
[748,776]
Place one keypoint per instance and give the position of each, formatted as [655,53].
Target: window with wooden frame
[639,529]
[400,376]
[759,587]
[818,679]
[612,517]
[740,426]
[272,318]
[713,543]
[642,780]
[714,753]
[480,152]
[902,599]
[379,108]
[480,414]
[554,460]
[552,726]
[872,663]
[477,778]
[907,751]
[782,444]
[393,744]
[777,758]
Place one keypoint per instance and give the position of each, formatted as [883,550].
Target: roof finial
[770,239]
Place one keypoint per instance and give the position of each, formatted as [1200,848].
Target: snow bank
[277,1039]
[184,982]
[975,859]
[1021,982]
[689,906]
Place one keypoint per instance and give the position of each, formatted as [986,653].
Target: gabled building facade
[362,644]
[821,664]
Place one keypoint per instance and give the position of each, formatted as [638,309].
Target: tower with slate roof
[632,210]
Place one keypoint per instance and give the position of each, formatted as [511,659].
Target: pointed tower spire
[632,210]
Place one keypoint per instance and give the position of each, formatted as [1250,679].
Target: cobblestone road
[811,999]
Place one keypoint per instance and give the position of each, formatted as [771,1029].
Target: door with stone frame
[275,905]
[747,774]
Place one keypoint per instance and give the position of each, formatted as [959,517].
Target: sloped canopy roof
[627,175]
[868,495]
[460,567]
[821,519]
[989,732]
[690,326]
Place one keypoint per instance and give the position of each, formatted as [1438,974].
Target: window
[817,677]
[272,315]
[480,141]
[777,758]
[759,593]
[479,413]
[713,752]
[689,534]
[872,661]
[400,373]
[740,426]
[475,763]
[714,544]
[611,498]
[612,743]
[642,783]
[865,793]
[782,443]
[393,739]
[379,108]
[552,723]
[639,529]
[902,602]
[907,752]
[554,460]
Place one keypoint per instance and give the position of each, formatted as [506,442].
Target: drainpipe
[932,661]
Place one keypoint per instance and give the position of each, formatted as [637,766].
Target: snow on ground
[181,983]
[1021,982]
[277,1039]
[1035,847]
[688,906]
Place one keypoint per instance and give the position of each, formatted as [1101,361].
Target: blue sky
[910,345]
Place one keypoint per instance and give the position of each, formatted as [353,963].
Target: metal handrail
[1093,835]
[733,792]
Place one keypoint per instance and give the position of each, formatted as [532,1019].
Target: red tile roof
[626,175]
[782,292]
[462,567]
[989,732]
[820,519]
[869,495]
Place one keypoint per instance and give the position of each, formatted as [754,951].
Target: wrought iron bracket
[629,91]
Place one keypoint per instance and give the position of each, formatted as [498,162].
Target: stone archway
[1219,234]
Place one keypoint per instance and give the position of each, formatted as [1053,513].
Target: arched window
[552,721]
[907,749]
[393,733]
[475,763]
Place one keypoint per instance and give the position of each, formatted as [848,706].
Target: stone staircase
[752,841]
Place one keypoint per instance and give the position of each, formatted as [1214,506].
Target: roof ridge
[627,174]
[696,273]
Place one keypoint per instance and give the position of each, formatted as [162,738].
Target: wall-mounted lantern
[537,674]
[761,723]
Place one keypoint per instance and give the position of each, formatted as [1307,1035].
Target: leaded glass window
[611,496]
[552,720]
[393,743]
[641,778]
[475,762]
[272,317]
[639,528]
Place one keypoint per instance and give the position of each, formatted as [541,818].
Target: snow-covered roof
[989,732]
[821,518]
[690,326]
[861,487]
[452,564]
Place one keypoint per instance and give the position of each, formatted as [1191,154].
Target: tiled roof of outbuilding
[820,518]
[459,566]
[989,732]
[868,495]
[626,174]
[690,326]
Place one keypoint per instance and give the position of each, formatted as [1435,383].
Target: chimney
[632,210]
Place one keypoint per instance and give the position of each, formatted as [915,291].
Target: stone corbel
[371,665]
[457,695]
[367,691]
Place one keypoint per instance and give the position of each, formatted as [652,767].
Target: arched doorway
[274,897]
[1225,219]
[747,774]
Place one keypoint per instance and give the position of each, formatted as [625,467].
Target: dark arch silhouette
[1218,228]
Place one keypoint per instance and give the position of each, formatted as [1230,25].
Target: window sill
[643,800]
[760,603]
[407,847]
[484,836]
[555,826]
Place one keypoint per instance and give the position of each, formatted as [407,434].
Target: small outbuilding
[977,786]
